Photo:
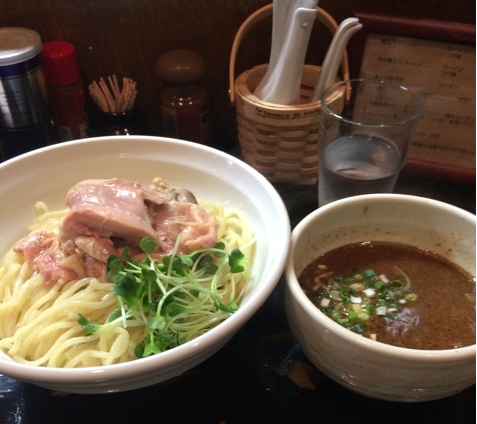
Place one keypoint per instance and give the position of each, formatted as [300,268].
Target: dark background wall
[125,37]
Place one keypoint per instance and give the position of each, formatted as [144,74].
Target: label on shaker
[23,100]
[68,112]
[190,124]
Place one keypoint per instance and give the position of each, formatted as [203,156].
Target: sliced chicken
[189,222]
[108,208]
[104,216]
[42,252]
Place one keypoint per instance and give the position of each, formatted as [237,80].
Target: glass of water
[363,145]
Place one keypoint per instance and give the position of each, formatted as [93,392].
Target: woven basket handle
[321,15]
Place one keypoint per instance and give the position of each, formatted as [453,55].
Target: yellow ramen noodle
[38,324]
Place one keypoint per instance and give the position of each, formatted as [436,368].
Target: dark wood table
[260,376]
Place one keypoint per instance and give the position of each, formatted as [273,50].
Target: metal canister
[25,117]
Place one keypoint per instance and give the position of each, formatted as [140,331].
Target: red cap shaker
[65,90]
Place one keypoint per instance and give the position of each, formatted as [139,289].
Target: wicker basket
[280,141]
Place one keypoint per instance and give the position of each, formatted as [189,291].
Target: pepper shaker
[184,101]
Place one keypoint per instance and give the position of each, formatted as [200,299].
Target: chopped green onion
[352,300]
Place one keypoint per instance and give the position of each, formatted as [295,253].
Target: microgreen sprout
[176,298]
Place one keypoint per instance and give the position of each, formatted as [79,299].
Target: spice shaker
[65,89]
[25,117]
[184,101]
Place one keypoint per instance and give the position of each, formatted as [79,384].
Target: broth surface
[441,311]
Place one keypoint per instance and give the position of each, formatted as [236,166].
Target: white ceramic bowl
[365,366]
[48,173]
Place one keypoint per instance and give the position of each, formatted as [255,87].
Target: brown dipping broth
[441,312]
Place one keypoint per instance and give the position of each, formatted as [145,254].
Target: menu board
[442,71]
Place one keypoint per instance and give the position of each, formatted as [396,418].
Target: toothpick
[113,99]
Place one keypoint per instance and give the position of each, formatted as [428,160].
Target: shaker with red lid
[65,89]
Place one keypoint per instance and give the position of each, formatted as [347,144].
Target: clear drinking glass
[363,147]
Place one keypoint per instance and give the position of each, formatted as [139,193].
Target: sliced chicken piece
[43,253]
[108,208]
[99,248]
[187,221]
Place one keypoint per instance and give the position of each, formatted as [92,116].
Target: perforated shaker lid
[18,45]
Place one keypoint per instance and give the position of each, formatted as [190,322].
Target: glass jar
[185,105]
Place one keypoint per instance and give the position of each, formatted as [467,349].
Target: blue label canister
[25,117]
